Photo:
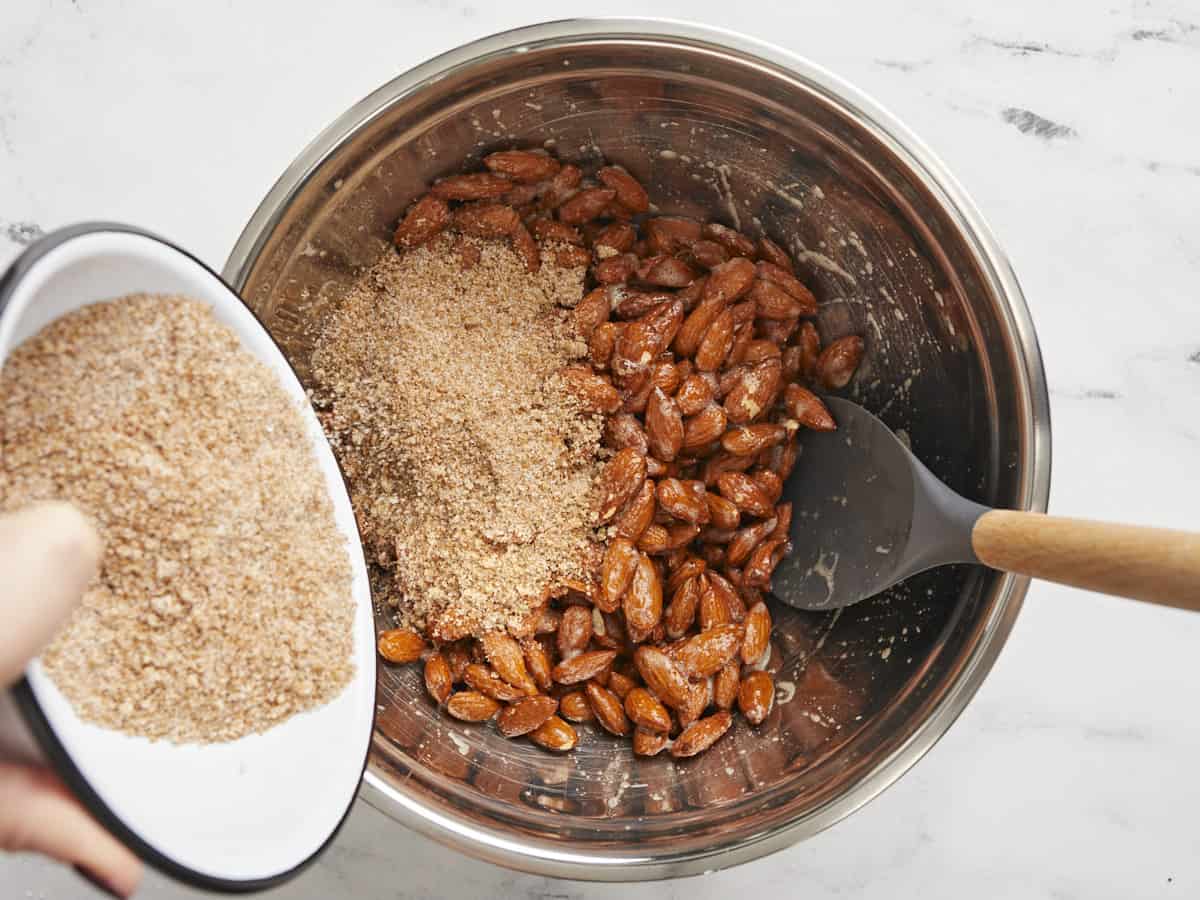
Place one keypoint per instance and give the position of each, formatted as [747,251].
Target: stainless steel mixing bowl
[715,125]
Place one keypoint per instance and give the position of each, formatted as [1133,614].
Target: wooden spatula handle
[1151,564]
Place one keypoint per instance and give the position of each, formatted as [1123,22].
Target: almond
[681,612]
[602,344]
[716,343]
[703,428]
[783,278]
[664,426]
[754,392]
[707,653]
[607,708]
[538,664]
[507,658]
[708,254]
[482,679]
[526,247]
[525,715]
[648,743]
[721,512]
[771,484]
[742,491]
[619,237]
[615,269]
[752,439]
[476,186]
[701,735]
[575,632]
[457,658]
[590,312]
[553,230]
[681,501]
[584,666]
[555,734]
[688,567]
[806,408]
[523,165]
[729,281]
[837,363]
[809,343]
[773,302]
[694,394]
[725,685]
[756,696]
[665,271]
[472,706]
[746,539]
[661,676]
[620,480]
[769,251]
[699,699]
[574,706]
[486,220]
[400,645]
[637,514]
[424,219]
[620,684]
[585,205]
[438,680]
[643,603]
[629,193]
[624,430]
[654,540]
[594,393]
[734,241]
[758,633]
[669,234]
[645,710]
[616,573]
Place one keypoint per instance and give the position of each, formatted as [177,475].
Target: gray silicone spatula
[867,514]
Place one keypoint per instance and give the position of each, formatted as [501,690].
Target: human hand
[48,553]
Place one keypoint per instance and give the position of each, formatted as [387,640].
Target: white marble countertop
[1076,128]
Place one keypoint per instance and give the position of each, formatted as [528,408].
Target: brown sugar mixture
[470,463]
[223,604]
[704,362]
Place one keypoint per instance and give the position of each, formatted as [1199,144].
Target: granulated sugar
[470,465]
[223,605]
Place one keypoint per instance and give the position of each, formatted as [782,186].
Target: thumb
[48,554]
[37,814]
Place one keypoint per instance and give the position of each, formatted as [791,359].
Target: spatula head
[866,514]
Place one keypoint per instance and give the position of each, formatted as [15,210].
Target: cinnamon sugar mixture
[470,465]
[223,603]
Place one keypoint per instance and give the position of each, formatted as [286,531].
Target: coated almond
[438,680]
[756,696]
[762,562]
[773,302]
[643,603]
[620,480]
[744,493]
[751,439]
[482,679]
[721,512]
[507,658]
[584,666]
[526,247]
[809,342]
[624,430]
[553,230]
[707,653]
[758,633]
[645,710]
[746,539]
[648,743]
[733,241]
[594,393]
[670,234]
[681,501]
[523,165]
[607,708]
[538,664]
[716,343]
[681,611]
[424,219]
[475,186]
[620,684]
[472,706]
[486,220]
[769,251]
[754,392]
[807,408]
[602,344]
[664,426]
[661,676]
[837,363]
[400,645]
[555,734]
[637,515]
[725,685]
[703,428]
[729,281]
[665,271]
[590,312]
[574,706]
[575,631]
[629,193]
[525,715]
[616,573]
[585,205]
[701,735]
[694,394]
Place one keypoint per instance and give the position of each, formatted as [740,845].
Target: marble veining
[1075,127]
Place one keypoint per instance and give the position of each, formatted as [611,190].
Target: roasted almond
[806,408]
[584,666]
[620,480]
[555,734]
[664,426]
[648,743]
[654,540]
[714,610]
[575,632]
[681,611]
[475,186]
[472,706]
[642,603]
[593,392]
[507,658]
[661,676]
[769,251]
[837,363]
[629,193]
[602,344]
[716,343]
[707,653]
[480,678]
[620,684]
[680,501]
[665,271]
[756,696]
[809,342]
[746,539]
[424,219]
[754,392]
[615,269]
[616,573]
[686,568]
[762,562]
[704,427]
[526,166]
[781,276]
[400,645]
[751,439]
[553,230]
[771,484]
[670,234]
[645,710]
[773,302]
[721,512]
[438,680]
[525,715]
[699,699]
[590,312]
[729,281]
[637,514]
[538,664]
[783,521]
[624,430]
[744,493]
[486,220]
[585,205]
[607,708]
[619,237]
[701,734]
[574,706]
[758,633]
[694,394]
[725,685]
[734,241]
[708,254]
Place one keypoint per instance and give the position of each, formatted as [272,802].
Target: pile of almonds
[702,359]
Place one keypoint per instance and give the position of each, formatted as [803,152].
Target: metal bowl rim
[548,858]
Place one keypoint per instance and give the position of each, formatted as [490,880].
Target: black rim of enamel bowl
[35,718]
